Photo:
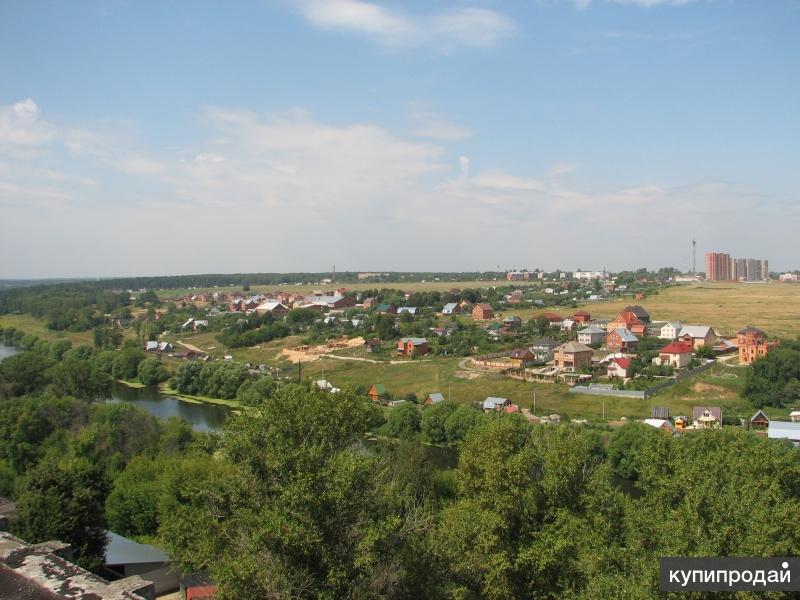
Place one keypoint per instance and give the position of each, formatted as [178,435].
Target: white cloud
[435,126]
[464,27]
[563,168]
[22,130]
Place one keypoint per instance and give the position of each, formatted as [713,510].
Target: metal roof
[122,551]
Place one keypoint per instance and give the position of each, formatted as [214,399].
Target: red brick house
[623,320]
[482,312]
[753,344]
[412,346]
[621,340]
[581,317]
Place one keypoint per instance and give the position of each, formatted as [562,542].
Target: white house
[670,331]
[450,308]
[492,403]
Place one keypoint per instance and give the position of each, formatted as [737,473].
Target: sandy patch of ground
[710,388]
[192,347]
[468,374]
[312,353]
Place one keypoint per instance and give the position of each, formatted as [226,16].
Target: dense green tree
[132,505]
[403,421]
[63,499]
[460,422]
[23,373]
[126,363]
[151,371]
[433,422]
[626,448]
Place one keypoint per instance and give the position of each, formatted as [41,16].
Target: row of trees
[774,380]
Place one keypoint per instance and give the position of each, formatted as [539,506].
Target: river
[201,416]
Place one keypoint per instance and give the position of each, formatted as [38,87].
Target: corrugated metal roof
[122,551]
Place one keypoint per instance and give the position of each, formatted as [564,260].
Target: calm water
[202,417]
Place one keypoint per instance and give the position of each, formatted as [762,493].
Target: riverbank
[166,390]
[131,384]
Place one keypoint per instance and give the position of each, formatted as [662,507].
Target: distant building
[589,275]
[412,346]
[621,340]
[592,335]
[784,430]
[573,356]
[482,312]
[707,417]
[752,343]
[718,266]
[518,276]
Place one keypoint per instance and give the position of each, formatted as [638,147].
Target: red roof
[675,348]
[511,408]
[552,316]
[622,362]
[627,317]
[581,313]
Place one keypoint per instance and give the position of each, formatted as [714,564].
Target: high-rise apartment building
[722,267]
[718,266]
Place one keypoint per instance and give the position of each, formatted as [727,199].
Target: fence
[677,378]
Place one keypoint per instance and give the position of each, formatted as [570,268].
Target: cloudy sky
[282,135]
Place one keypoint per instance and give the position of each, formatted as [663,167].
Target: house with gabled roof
[376,392]
[676,354]
[621,340]
[759,420]
[412,346]
[582,316]
[272,307]
[434,398]
[592,335]
[521,357]
[451,308]
[670,330]
[707,417]
[492,403]
[623,320]
[544,348]
[573,356]
[752,343]
[386,309]
[482,312]
[661,424]
[659,412]
[698,335]
[639,311]
[619,368]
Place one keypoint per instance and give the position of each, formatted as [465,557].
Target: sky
[148,138]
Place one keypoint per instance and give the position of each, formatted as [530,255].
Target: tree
[126,363]
[151,371]
[460,422]
[433,421]
[292,483]
[63,499]
[80,379]
[403,421]
[132,505]
[627,446]
[23,373]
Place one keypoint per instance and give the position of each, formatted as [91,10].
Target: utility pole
[694,256]
[534,402]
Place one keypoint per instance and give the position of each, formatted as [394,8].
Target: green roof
[379,389]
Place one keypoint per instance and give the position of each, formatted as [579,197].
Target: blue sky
[275,135]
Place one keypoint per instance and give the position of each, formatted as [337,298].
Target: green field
[32,325]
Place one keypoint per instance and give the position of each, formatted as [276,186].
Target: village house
[623,320]
[621,340]
[661,424]
[568,324]
[451,308]
[676,354]
[753,344]
[333,302]
[670,331]
[275,308]
[794,416]
[482,312]
[521,357]
[681,423]
[592,335]
[491,404]
[369,303]
[412,346]
[376,392]
[386,309]
[707,417]
[639,311]
[434,398]
[573,356]
[759,420]
[553,318]
[544,349]
[582,317]
[698,335]
[619,368]
[512,322]
[514,297]
[372,344]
